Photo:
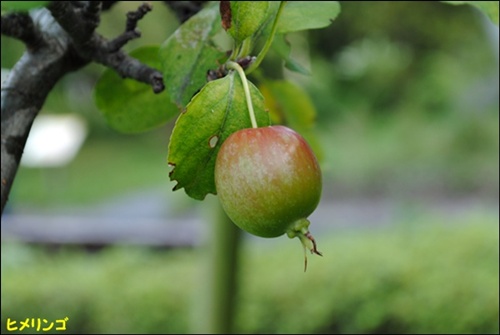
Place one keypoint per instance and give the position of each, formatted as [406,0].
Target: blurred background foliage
[407,105]
[419,277]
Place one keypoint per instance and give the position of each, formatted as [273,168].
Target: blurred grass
[427,277]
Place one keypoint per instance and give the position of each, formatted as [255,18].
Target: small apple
[269,181]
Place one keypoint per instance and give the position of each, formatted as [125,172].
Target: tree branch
[130,30]
[94,47]
[59,39]
[20,26]
[26,88]
[70,19]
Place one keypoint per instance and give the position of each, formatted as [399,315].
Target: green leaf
[283,48]
[213,114]
[490,8]
[22,5]
[130,106]
[289,104]
[303,15]
[246,18]
[189,53]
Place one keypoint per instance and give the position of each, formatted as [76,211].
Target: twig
[96,48]
[134,17]
[131,31]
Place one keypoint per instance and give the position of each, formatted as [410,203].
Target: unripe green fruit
[269,182]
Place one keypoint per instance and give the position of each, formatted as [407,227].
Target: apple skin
[267,179]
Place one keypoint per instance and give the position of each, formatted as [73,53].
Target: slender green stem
[235,66]
[216,303]
[226,239]
[269,41]
[246,48]
[235,52]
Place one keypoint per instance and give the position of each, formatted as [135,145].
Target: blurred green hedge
[416,278]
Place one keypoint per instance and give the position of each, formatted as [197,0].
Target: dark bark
[59,39]
[45,61]
[20,26]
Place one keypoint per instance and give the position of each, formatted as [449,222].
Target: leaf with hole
[217,111]
[189,53]
[130,106]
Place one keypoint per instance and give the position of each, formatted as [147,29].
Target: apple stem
[300,229]
[308,242]
[314,250]
[235,66]
[305,257]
